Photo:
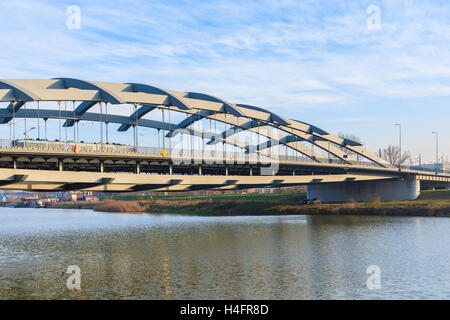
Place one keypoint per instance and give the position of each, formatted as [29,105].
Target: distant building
[90,198]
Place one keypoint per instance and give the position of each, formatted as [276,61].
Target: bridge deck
[25,168]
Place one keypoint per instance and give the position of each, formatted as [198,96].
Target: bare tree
[392,155]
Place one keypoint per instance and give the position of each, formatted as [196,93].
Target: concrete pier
[385,190]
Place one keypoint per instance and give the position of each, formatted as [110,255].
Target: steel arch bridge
[26,165]
[198,106]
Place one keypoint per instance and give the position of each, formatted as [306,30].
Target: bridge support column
[251,171]
[60,165]
[14,163]
[226,170]
[385,190]
[102,166]
[170,169]
[138,168]
[199,170]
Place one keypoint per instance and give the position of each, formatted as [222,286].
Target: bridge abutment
[385,190]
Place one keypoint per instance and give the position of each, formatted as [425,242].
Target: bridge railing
[66,146]
[4,143]
[425,169]
[421,168]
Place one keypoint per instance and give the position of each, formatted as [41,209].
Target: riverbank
[430,203]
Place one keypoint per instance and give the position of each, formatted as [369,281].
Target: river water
[145,256]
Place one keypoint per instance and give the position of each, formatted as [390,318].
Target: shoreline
[423,207]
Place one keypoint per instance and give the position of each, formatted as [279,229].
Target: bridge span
[217,145]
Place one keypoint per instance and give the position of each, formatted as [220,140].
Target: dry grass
[393,208]
[122,206]
[228,207]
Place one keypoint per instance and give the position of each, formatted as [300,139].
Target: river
[145,256]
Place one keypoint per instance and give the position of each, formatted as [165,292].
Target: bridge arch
[197,106]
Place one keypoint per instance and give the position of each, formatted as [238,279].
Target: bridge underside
[47,180]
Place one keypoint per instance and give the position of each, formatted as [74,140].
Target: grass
[430,203]
[216,204]
[122,206]
[433,195]
[293,197]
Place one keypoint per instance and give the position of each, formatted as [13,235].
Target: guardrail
[419,168]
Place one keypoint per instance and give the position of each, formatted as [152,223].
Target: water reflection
[165,257]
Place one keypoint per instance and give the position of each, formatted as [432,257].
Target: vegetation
[216,204]
[434,195]
[271,197]
[122,206]
[430,203]
[392,155]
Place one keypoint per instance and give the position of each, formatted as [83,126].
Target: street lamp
[399,145]
[25,134]
[434,132]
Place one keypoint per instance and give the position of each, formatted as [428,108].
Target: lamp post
[437,150]
[399,145]
[25,134]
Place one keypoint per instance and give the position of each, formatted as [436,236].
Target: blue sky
[315,61]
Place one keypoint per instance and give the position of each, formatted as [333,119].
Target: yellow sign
[164,153]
